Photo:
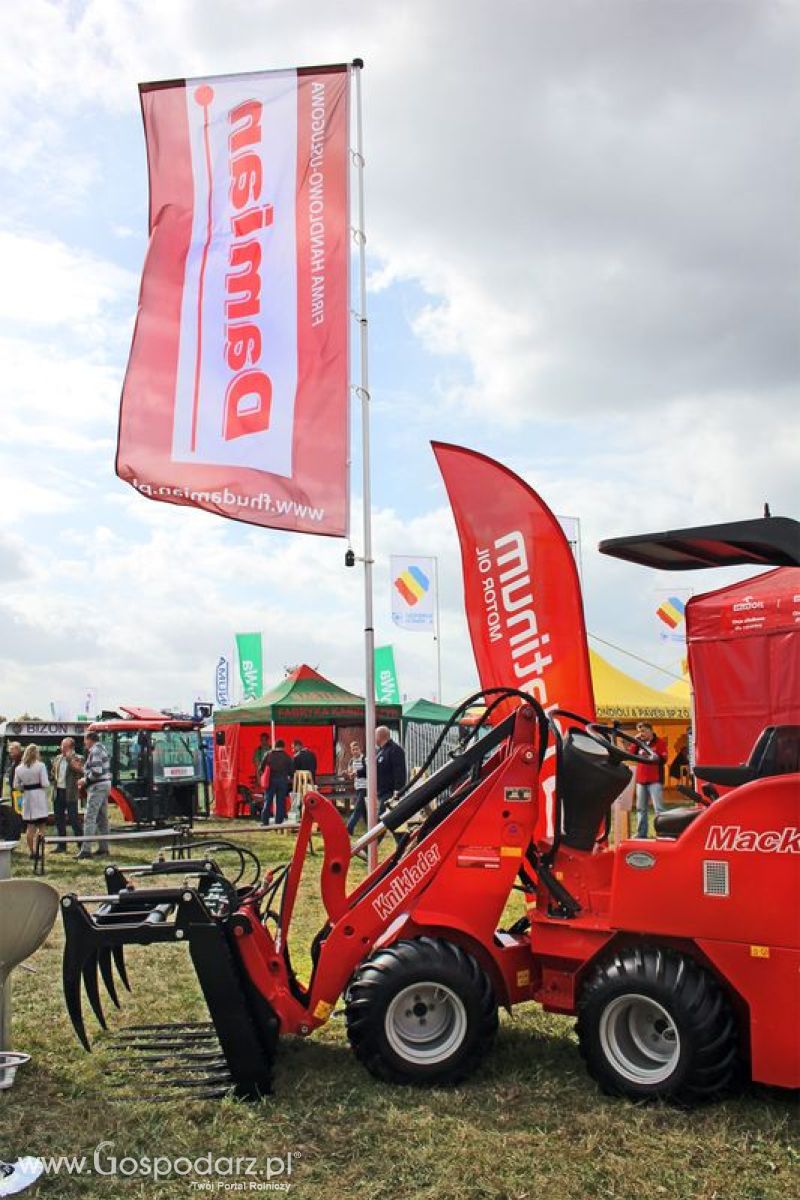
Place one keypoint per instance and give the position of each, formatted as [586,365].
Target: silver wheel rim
[640,1039]
[425,1023]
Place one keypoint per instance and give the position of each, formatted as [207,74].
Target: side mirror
[219,737]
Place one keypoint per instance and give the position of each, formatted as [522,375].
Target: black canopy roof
[766,542]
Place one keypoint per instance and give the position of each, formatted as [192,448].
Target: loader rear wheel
[652,1024]
[421,1012]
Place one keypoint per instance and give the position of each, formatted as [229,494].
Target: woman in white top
[30,778]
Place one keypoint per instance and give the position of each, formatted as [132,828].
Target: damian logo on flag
[237,368]
[412,584]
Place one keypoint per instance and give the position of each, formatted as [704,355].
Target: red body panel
[768,979]
[750,936]
[763,905]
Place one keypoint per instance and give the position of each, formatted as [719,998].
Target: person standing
[14,759]
[97,777]
[259,754]
[280,779]
[65,773]
[304,759]
[648,777]
[30,778]
[391,767]
[357,771]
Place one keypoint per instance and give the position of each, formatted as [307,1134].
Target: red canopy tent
[744,661]
[304,705]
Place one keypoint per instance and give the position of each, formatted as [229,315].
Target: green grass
[530,1124]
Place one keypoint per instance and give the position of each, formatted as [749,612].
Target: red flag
[236,394]
[522,593]
[521,586]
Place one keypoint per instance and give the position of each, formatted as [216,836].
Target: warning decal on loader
[517,795]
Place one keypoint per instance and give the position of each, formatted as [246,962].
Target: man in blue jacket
[391,767]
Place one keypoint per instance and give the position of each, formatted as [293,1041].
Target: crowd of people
[280,774]
[72,777]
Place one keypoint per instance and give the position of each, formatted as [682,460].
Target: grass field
[530,1124]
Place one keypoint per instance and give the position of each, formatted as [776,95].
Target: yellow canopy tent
[680,689]
[620,697]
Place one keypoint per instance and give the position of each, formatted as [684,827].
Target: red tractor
[157,766]
[679,956]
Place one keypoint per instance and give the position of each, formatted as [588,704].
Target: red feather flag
[521,587]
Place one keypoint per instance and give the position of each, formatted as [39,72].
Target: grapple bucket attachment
[236,1049]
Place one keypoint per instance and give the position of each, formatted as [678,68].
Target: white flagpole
[438,634]
[363,391]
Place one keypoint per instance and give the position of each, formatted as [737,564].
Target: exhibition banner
[521,588]
[413,592]
[387,689]
[236,394]
[671,613]
[523,598]
[222,682]
[251,668]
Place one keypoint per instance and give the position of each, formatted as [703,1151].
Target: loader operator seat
[673,821]
[776,752]
[592,774]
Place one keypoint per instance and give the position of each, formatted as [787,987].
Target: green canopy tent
[304,705]
[427,712]
[423,722]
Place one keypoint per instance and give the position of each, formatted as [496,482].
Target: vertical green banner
[387,689]
[248,647]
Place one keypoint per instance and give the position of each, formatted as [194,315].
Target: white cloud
[45,283]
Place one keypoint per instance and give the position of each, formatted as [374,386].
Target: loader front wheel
[421,1012]
[654,1025]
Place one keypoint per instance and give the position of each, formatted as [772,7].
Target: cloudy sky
[583,240]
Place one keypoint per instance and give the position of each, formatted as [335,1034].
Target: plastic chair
[28,909]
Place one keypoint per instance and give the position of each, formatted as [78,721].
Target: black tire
[421,1012]
[652,1024]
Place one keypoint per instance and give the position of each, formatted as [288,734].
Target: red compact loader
[679,956]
